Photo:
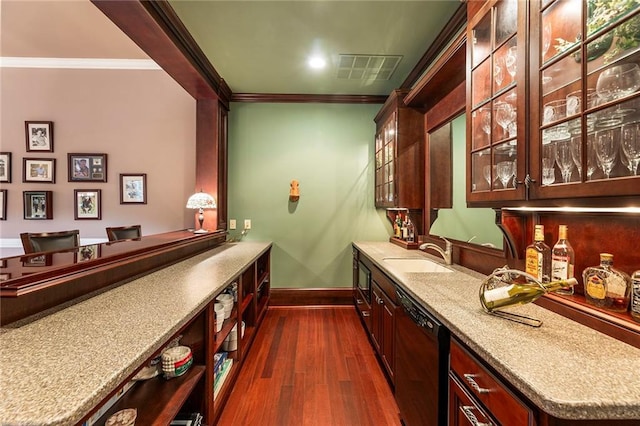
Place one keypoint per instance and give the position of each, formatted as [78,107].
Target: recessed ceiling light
[316,62]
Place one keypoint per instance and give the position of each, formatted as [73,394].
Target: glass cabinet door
[588,131]
[496,56]
[385,163]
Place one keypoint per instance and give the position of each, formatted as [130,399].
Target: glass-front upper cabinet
[496,78]
[385,163]
[586,136]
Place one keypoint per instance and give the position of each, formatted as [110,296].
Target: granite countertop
[568,370]
[54,370]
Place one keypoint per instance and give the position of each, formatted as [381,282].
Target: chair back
[49,241]
[116,233]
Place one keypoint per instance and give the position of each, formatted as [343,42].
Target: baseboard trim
[311,296]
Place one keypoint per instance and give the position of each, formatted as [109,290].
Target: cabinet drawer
[486,388]
[364,310]
[463,408]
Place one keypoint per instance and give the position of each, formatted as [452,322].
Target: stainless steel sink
[415,264]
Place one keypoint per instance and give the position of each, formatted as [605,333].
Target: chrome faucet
[446,253]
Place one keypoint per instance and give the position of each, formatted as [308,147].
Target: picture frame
[3,204]
[88,252]
[5,167]
[41,170]
[133,188]
[37,260]
[38,205]
[39,136]
[88,204]
[87,167]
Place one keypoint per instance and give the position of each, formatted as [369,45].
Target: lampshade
[201,200]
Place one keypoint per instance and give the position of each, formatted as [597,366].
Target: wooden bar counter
[56,369]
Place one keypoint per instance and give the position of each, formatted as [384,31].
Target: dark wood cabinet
[552,102]
[399,155]
[377,309]
[383,326]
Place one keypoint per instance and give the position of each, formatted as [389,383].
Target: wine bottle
[518,294]
[563,259]
[538,257]
[607,287]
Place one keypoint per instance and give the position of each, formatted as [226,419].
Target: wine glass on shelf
[485,122]
[617,82]
[505,115]
[592,160]
[548,162]
[498,75]
[510,61]
[631,145]
[486,172]
[505,172]
[606,147]
[576,152]
[564,158]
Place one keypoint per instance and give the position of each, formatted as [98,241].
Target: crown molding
[78,63]
[307,98]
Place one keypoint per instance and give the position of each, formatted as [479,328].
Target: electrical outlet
[232,224]
[247,224]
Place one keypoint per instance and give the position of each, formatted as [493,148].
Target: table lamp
[201,200]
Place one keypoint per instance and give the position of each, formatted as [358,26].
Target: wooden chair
[116,233]
[49,241]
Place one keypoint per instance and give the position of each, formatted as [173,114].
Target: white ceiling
[257,46]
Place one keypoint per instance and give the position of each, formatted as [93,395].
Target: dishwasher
[422,364]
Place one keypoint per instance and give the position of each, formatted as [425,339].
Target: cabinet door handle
[467,410]
[380,302]
[470,378]
[366,313]
[359,301]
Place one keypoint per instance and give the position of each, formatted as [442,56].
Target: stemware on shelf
[548,162]
[607,144]
[505,172]
[576,153]
[564,158]
[485,119]
[592,159]
[505,115]
[510,61]
[498,75]
[631,145]
[618,81]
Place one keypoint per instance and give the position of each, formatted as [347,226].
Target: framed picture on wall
[41,170]
[133,188]
[39,136]
[3,204]
[88,204]
[5,167]
[38,205]
[87,167]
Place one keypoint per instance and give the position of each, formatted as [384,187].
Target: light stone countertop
[568,370]
[54,370]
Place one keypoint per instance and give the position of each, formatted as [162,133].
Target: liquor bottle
[518,294]
[538,257]
[399,225]
[635,296]
[563,259]
[411,230]
[606,287]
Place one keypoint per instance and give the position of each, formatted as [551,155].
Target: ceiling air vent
[367,67]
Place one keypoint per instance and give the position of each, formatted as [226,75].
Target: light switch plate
[247,224]
[232,224]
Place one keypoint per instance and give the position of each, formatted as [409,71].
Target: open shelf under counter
[157,400]
[246,302]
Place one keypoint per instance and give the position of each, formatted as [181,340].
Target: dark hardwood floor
[311,366]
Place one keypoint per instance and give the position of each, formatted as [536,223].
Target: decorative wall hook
[294,192]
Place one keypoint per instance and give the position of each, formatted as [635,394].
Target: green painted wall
[328,148]
[462,223]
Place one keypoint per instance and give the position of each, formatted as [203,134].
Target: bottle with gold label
[607,287]
[563,259]
[538,257]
